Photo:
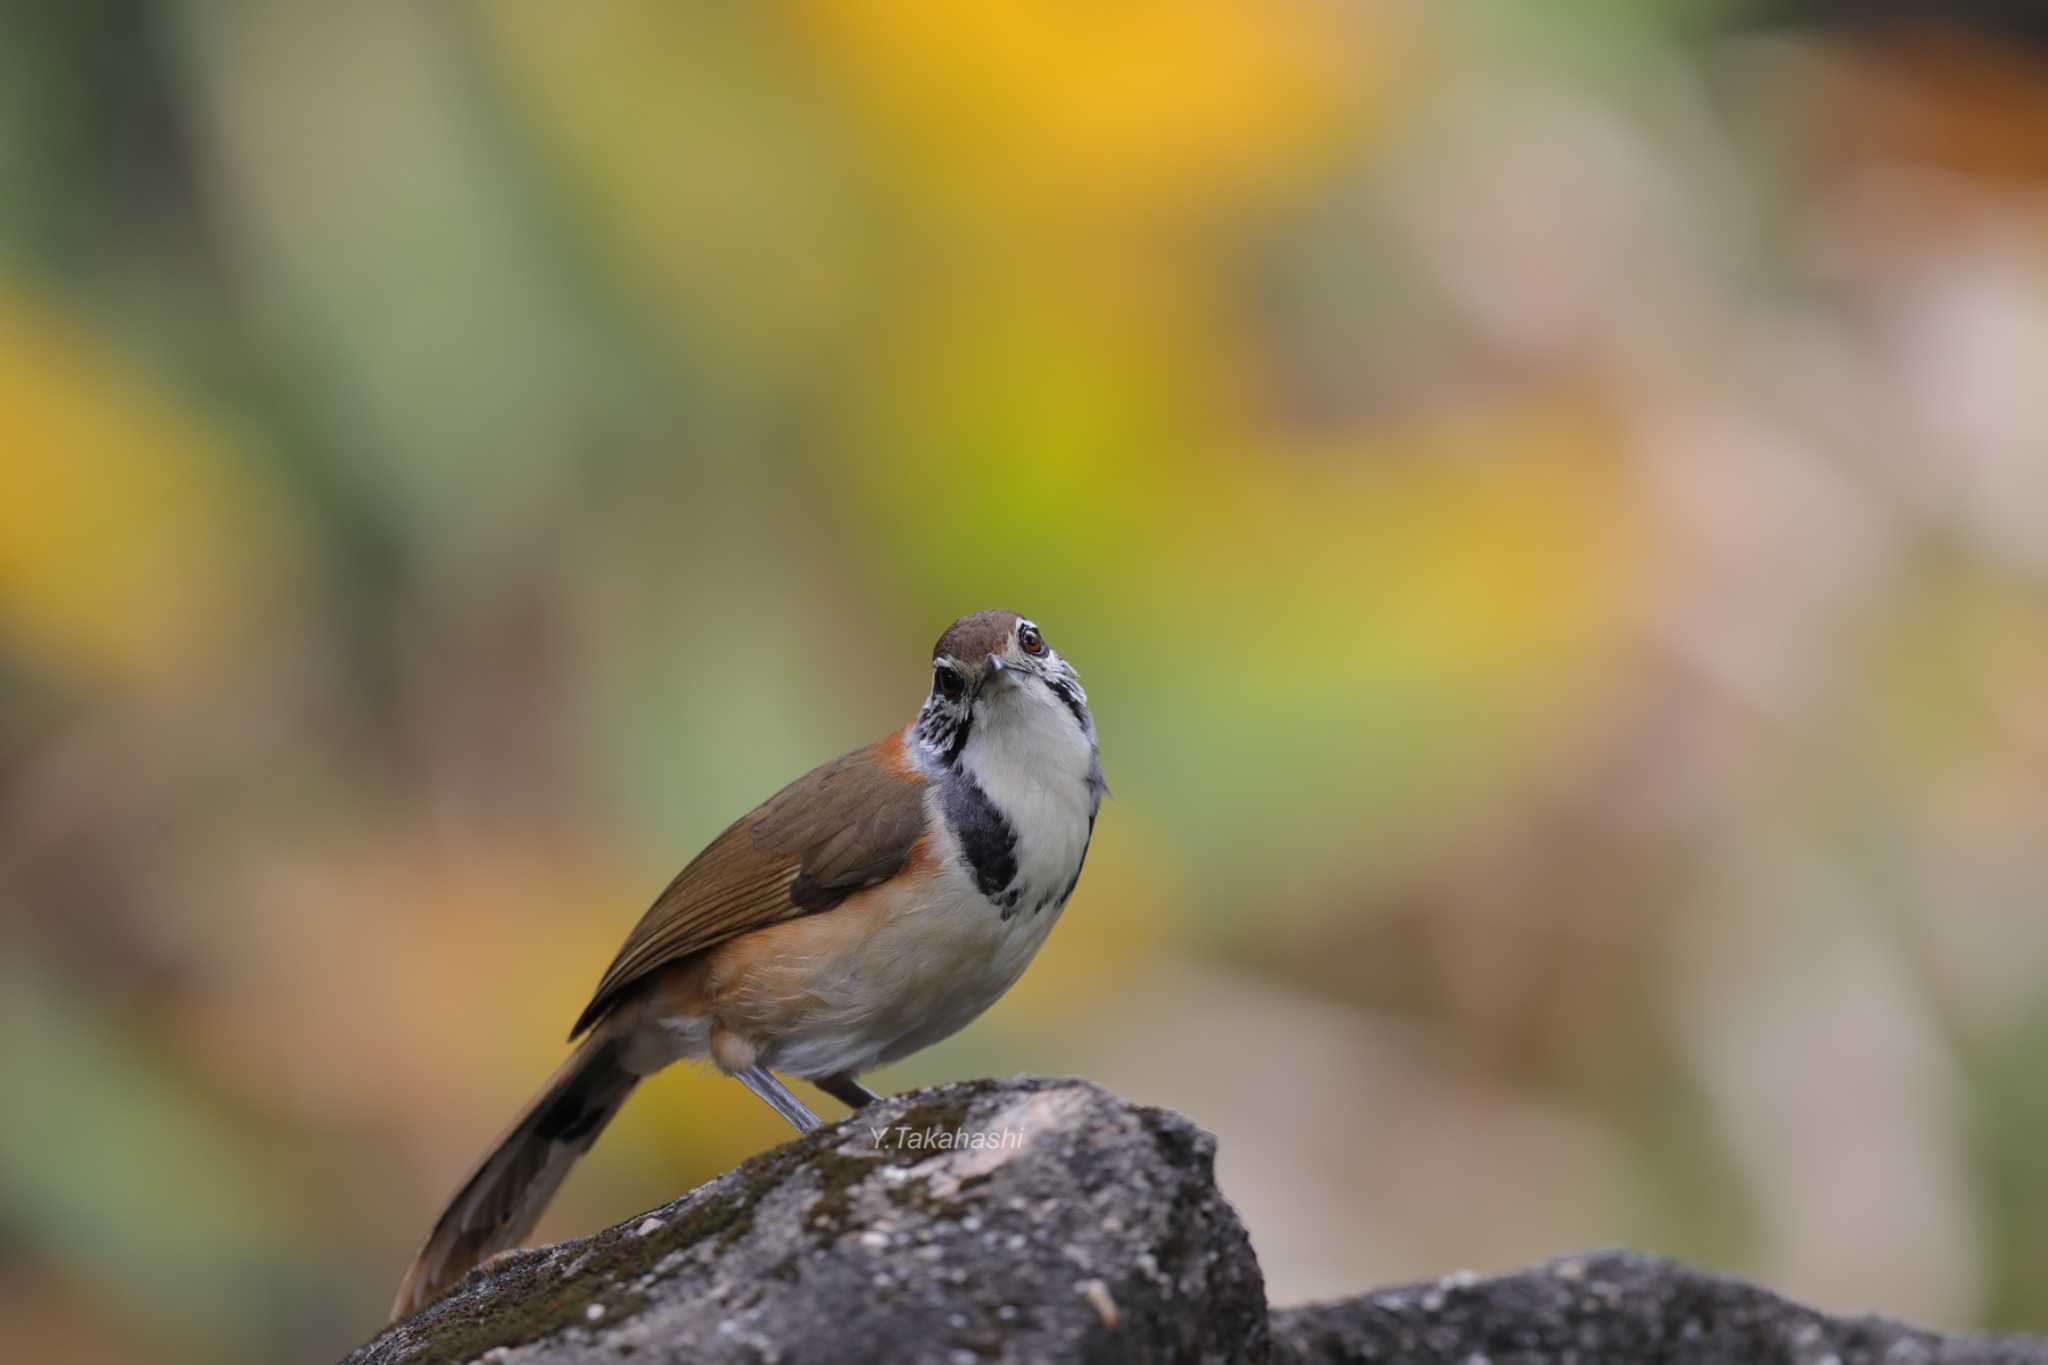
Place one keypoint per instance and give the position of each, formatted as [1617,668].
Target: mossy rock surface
[991,1221]
[1048,1220]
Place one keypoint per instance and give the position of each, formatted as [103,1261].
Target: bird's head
[994,670]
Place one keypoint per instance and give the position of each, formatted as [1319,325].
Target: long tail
[504,1197]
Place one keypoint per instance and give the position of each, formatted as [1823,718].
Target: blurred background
[1550,504]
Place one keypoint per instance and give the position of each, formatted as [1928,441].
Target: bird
[877,904]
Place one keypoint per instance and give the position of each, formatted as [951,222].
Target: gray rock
[1091,1231]
[1610,1308]
[1047,1220]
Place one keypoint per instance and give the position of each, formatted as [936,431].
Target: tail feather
[504,1197]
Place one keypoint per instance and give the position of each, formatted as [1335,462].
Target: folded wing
[848,824]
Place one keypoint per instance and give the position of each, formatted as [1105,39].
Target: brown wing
[846,825]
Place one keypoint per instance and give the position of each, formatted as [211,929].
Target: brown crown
[971,639]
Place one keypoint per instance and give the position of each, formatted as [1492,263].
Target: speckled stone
[1609,1308]
[1086,1229]
[1076,1228]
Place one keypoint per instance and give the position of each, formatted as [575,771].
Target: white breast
[936,954]
[963,954]
[939,951]
[1038,768]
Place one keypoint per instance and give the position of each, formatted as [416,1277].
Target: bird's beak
[996,670]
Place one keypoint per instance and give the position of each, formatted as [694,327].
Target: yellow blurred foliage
[128,543]
[695,157]
[1475,543]
[1059,110]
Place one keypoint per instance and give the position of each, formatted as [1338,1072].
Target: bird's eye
[949,684]
[1033,642]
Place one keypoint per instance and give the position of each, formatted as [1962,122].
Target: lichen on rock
[1077,1228]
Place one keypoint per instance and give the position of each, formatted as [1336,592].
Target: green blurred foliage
[1552,511]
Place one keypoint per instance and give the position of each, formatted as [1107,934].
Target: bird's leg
[848,1091]
[762,1082]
